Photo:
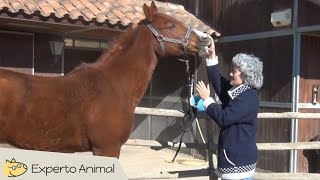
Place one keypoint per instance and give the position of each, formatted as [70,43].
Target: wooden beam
[256,176]
[158,112]
[286,176]
[153,143]
[176,113]
[288,146]
[261,146]
[290,115]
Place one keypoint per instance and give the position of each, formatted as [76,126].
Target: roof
[114,13]
[317,2]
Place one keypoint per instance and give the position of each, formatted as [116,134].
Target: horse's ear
[147,12]
[153,7]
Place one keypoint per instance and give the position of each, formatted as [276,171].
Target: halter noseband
[161,39]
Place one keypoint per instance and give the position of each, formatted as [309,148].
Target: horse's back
[40,112]
[12,89]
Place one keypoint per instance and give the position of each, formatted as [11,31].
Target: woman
[237,117]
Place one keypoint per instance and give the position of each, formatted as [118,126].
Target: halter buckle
[160,38]
[184,42]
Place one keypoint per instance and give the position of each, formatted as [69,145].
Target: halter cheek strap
[184,41]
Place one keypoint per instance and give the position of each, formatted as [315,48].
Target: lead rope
[191,114]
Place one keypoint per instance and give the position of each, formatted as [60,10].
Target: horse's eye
[172,27]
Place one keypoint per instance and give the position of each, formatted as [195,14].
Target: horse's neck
[132,67]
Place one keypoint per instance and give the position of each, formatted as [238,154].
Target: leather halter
[184,42]
[191,114]
[161,39]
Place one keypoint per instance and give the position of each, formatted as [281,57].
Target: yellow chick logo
[13,168]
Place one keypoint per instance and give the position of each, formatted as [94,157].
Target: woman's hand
[203,90]
[211,50]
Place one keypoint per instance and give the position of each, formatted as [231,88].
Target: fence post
[210,144]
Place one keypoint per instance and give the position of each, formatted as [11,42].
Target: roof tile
[76,2]
[5,4]
[68,5]
[112,18]
[114,12]
[54,4]
[101,17]
[26,2]
[130,16]
[118,13]
[93,9]
[75,13]
[42,3]
[107,5]
[99,6]
[62,12]
[86,3]
[47,10]
[17,6]
[32,7]
[88,14]
[80,7]
[125,21]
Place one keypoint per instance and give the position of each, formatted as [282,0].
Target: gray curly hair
[251,68]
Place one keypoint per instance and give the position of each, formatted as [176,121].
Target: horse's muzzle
[205,41]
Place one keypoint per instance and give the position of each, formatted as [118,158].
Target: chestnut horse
[92,108]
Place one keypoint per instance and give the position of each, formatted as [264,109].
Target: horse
[92,107]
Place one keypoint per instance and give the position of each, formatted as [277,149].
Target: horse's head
[174,38]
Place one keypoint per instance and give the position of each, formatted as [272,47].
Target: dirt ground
[140,162]
[145,163]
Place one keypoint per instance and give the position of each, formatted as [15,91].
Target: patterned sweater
[237,119]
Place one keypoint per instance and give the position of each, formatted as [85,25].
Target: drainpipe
[33,54]
[197,8]
[295,87]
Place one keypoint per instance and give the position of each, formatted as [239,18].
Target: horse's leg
[107,135]
[111,151]
[2,135]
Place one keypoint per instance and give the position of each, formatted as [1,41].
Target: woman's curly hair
[251,68]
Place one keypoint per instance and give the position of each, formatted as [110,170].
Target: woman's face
[236,78]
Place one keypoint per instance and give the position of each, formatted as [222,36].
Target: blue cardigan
[237,118]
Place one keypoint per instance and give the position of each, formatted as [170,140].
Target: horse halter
[184,41]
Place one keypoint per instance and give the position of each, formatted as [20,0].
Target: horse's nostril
[203,38]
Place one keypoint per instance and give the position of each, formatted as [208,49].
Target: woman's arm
[220,84]
[240,110]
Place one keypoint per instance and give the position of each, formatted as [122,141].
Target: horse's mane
[121,41]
